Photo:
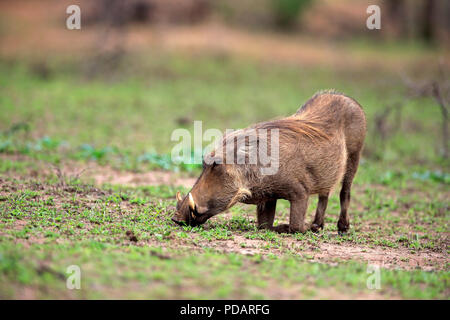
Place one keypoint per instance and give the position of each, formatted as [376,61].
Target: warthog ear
[240,195]
[244,193]
[179,198]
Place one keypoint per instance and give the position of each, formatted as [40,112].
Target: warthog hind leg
[344,220]
[320,213]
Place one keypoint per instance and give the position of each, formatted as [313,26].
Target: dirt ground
[324,252]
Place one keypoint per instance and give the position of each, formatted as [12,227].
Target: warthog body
[319,146]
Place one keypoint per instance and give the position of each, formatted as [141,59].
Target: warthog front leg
[296,218]
[265,213]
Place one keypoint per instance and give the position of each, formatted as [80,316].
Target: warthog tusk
[191,202]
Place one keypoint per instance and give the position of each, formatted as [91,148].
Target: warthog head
[225,179]
[217,189]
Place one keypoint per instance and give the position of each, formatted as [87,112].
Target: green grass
[48,224]
[130,120]
[111,271]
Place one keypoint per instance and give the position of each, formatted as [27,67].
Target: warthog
[318,147]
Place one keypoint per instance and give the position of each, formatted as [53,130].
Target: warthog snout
[181,223]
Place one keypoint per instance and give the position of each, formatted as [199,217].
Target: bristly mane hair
[296,126]
[304,124]
[322,92]
[326,91]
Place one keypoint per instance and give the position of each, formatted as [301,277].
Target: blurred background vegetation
[114,91]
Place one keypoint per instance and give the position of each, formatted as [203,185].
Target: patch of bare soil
[384,257]
[150,178]
[99,175]
[331,253]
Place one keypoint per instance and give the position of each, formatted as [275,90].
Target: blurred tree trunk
[396,13]
[427,21]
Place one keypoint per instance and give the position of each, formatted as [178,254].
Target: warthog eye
[212,203]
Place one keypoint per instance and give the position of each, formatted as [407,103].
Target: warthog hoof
[282,228]
[315,227]
[343,227]
[285,228]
